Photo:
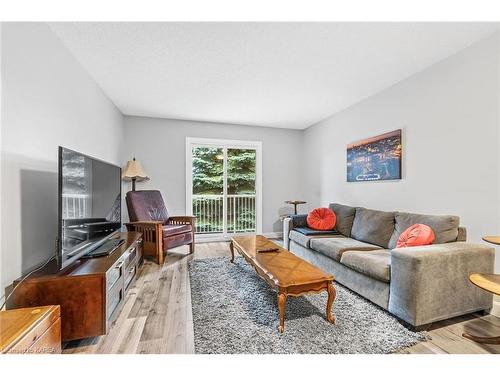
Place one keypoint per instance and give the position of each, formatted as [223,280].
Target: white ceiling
[288,75]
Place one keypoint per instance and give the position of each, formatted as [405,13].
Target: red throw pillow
[321,219]
[416,235]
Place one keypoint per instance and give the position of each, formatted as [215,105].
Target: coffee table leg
[281,307]
[329,304]
[231,247]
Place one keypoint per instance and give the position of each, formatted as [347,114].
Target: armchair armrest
[152,237]
[149,222]
[182,220]
[140,226]
[431,283]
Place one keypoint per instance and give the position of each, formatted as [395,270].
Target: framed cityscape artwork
[375,159]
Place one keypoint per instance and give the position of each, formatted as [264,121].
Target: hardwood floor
[156,316]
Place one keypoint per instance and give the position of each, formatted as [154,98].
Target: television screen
[89,204]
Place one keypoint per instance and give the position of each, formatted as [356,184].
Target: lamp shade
[134,170]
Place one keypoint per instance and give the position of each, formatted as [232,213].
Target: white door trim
[225,143]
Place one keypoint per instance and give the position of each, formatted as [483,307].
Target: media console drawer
[130,275]
[119,278]
[114,299]
[132,256]
[113,275]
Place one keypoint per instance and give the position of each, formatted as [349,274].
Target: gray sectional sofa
[419,285]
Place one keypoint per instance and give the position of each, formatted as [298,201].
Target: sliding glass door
[241,188]
[208,188]
[223,182]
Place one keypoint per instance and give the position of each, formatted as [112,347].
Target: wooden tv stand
[90,291]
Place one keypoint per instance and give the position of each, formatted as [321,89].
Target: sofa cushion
[304,240]
[445,227]
[376,263]
[372,226]
[335,247]
[299,220]
[300,238]
[345,218]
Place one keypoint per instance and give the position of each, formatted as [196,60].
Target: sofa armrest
[287,227]
[431,283]
[290,222]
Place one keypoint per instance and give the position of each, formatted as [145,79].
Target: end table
[295,204]
[490,283]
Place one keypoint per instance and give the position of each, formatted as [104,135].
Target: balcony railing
[208,210]
[74,206]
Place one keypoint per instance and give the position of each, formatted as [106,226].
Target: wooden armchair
[148,215]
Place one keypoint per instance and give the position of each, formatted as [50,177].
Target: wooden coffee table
[285,272]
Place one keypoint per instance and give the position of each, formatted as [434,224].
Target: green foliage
[208,177]
[241,172]
[208,171]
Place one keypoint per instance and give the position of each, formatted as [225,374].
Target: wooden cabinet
[90,291]
[34,330]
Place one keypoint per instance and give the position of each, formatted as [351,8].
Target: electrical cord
[24,278]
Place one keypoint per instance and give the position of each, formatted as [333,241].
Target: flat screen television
[89,204]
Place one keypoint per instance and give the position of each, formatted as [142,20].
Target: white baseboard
[199,239]
[216,238]
[495,310]
[273,235]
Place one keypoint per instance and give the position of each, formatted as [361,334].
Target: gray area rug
[235,311]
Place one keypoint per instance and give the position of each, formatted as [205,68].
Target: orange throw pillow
[321,219]
[416,235]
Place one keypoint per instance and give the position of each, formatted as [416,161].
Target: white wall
[48,100]
[1,121]
[159,145]
[496,299]
[449,116]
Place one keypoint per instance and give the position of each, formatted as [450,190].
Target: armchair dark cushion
[171,230]
[148,215]
[146,205]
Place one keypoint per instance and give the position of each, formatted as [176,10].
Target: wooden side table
[295,204]
[490,283]
[32,330]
